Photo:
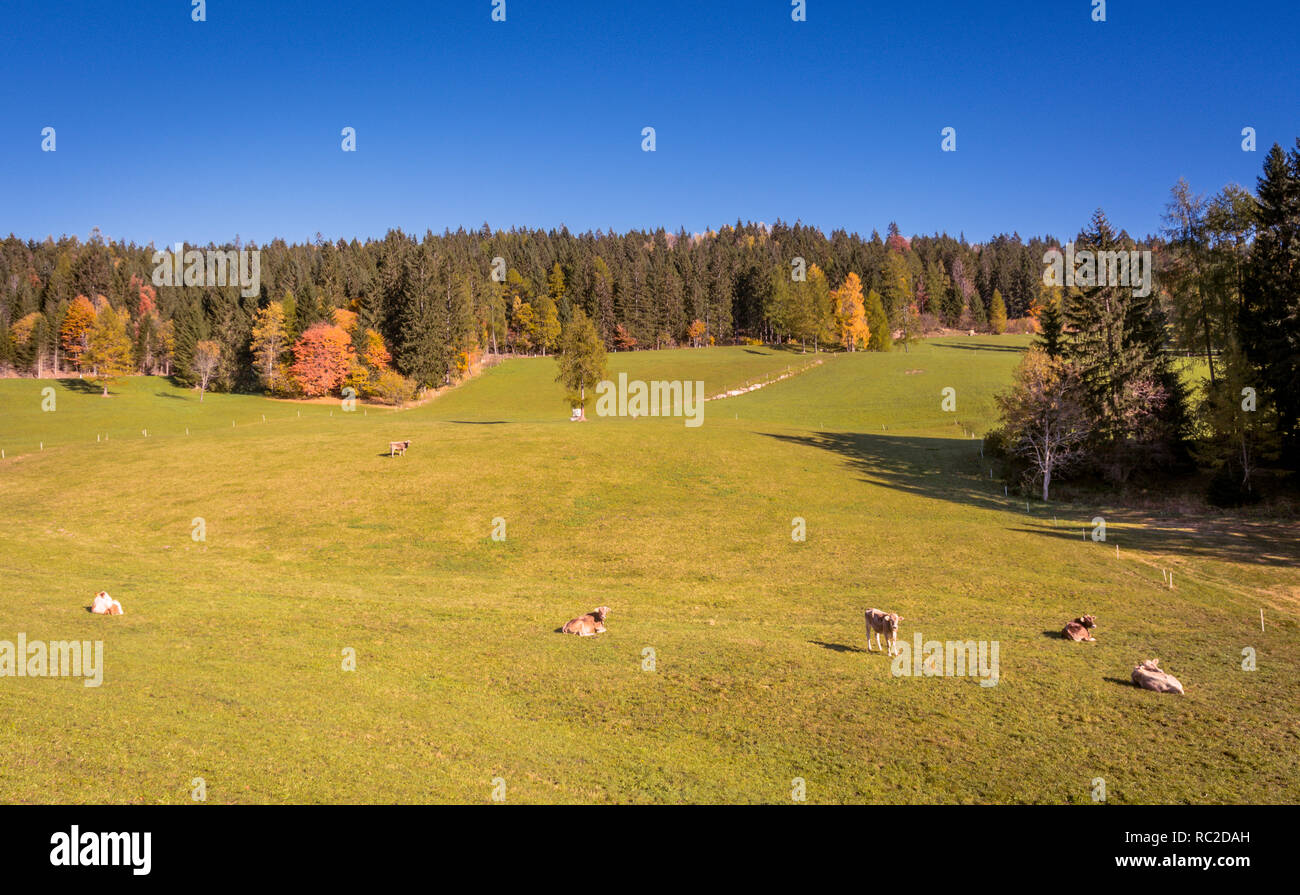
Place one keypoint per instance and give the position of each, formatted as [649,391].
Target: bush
[391,387]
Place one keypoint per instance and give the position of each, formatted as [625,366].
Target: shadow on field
[926,467]
[478,422]
[949,469]
[980,346]
[1121,681]
[83,386]
[838,647]
[1264,542]
[172,395]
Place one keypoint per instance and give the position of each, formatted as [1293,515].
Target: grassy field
[228,663]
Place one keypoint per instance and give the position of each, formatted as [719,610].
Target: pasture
[228,663]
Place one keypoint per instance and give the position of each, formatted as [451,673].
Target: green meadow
[735,660]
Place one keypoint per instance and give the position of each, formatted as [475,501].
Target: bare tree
[207,357]
[1043,415]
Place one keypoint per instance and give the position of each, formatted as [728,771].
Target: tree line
[438,302]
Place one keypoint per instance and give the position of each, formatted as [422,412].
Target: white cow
[103,604]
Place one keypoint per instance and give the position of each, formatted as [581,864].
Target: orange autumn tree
[323,355]
[850,313]
[75,331]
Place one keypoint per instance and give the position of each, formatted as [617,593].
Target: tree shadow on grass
[981,346]
[82,386]
[951,469]
[943,468]
[1265,542]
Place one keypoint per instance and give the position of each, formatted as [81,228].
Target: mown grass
[227,665]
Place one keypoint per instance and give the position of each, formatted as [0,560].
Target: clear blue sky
[173,130]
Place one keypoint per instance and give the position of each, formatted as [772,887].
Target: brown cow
[398,447]
[588,625]
[1081,629]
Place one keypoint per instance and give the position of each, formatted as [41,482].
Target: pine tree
[1270,313]
[1051,336]
[880,338]
[1116,339]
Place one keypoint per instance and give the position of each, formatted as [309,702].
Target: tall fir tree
[1270,312]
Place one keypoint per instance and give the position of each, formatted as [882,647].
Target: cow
[1081,629]
[398,447]
[588,625]
[879,622]
[1148,676]
[103,604]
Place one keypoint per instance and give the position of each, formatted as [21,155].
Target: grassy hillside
[227,665]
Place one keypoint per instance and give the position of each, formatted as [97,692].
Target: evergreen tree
[1051,335]
[880,339]
[1116,340]
[1270,312]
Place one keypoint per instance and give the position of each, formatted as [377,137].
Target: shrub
[391,387]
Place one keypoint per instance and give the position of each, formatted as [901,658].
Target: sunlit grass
[227,665]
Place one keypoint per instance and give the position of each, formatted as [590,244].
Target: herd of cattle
[1146,675]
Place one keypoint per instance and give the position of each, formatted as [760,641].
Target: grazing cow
[588,625]
[886,623]
[1081,629]
[103,604]
[1148,676]
[398,447]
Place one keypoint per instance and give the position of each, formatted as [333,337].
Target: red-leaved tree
[322,357]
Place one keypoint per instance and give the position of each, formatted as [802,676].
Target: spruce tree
[1270,312]
[881,339]
[1051,336]
[1116,338]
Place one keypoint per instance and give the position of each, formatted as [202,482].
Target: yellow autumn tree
[850,314]
[78,320]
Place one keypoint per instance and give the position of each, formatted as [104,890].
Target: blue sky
[171,130]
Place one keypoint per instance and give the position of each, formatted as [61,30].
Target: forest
[393,316]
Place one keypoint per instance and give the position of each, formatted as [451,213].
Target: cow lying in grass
[1148,676]
[103,604]
[398,447]
[880,622]
[1081,629]
[588,625]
